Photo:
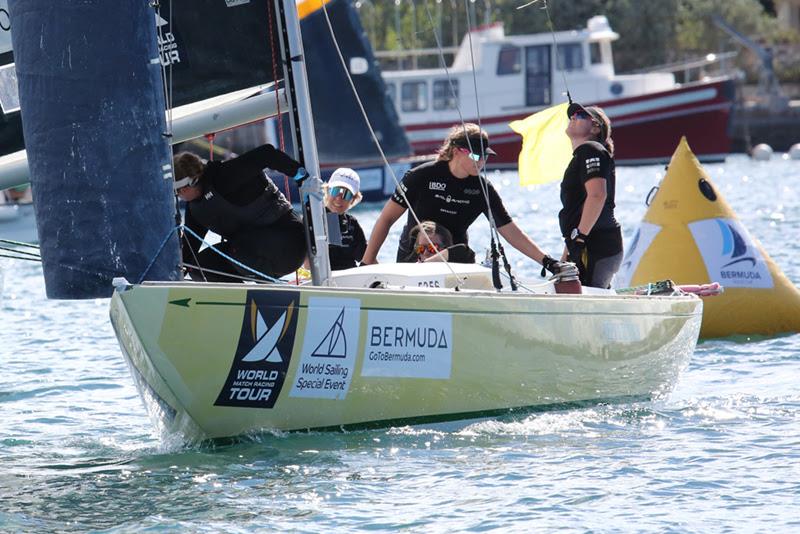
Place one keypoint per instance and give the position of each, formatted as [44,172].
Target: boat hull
[224,360]
[646,129]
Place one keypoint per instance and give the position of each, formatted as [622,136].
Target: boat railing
[410,58]
[696,69]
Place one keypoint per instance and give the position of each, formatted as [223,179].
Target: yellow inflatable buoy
[690,235]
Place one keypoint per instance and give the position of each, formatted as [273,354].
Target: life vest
[219,215]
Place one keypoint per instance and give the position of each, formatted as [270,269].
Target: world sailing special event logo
[730,254]
[330,345]
[265,348]
[408,344]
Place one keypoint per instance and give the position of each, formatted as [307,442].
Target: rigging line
[229,258]
[194,254]
[204,270]
[482,182]
[166,74]
[552,29]
[484,186]
[20,258]
[19,243]
[377,142]
[22,252]
[278,118]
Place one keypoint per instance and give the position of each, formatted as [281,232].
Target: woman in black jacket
[236,200]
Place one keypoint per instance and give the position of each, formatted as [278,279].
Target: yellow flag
[546,149]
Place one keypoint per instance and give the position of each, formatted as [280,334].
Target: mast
[302,123]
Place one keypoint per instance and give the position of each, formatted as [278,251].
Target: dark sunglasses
[343,192]
[581,115]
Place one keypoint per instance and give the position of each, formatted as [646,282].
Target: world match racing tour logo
[264,351]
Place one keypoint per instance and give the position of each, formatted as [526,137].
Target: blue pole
[92,105]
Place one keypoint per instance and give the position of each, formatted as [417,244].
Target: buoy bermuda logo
[734,246]
[730,254]
[265,348]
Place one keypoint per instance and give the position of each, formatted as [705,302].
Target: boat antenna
[552,29]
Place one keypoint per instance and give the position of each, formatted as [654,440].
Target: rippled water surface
[720,454]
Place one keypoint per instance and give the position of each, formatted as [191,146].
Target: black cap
[592,112]
[474,144]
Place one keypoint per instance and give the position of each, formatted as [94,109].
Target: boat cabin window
[509,60]
[443,96]
[414,96]
[570,56]
[595,54]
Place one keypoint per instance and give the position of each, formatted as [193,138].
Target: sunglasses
[183,183]
[581,115]
[343,192]
[472,155]
[433,249]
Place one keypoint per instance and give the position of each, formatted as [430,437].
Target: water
[720,454]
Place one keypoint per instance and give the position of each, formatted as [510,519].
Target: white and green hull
[222,360]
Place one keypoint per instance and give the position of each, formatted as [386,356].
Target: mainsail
[219,56]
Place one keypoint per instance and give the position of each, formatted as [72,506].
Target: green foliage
[651,32]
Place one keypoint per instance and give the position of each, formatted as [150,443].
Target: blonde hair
[457,137]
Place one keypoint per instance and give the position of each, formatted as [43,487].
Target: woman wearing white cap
[342,192]
[450,192]
[591,232]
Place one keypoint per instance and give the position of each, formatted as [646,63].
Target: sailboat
[385,344]
[218,88]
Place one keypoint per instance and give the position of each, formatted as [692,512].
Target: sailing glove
[300,176]
[549,264]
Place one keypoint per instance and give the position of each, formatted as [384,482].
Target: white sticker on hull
[329,350]
[641,241]
[730,254]
[408,344]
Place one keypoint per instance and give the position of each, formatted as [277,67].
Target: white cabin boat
[520,74]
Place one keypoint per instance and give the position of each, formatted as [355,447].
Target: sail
[219,59]
[215,47]
[343,138]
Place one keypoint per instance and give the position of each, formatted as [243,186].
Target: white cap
[345,177]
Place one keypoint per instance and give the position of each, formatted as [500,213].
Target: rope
[227,257]
[279,118]
[212,247]
[158,253]
[210,138]
[376,141]
[22,253]
[19,243]
[19,257]
[494,236]
[552,29]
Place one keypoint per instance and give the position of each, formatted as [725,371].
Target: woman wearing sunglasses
[342,192]
[591,232]
[432,242]
[450,192]
[236,200]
